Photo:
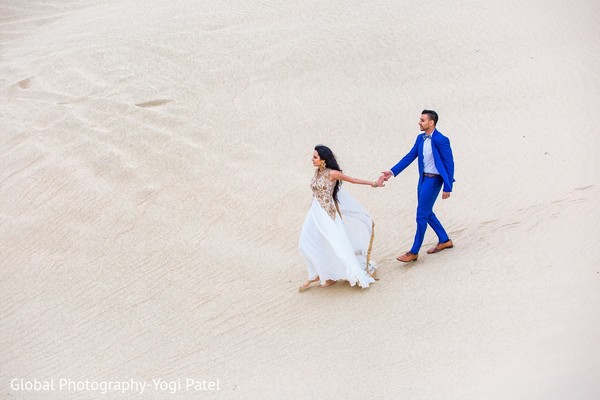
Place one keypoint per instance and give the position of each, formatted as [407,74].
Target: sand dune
[154,171]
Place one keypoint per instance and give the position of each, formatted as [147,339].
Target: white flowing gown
[336,247]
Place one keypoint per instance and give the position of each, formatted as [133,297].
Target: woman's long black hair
[327,155]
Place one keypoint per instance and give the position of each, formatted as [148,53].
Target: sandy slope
[154,170]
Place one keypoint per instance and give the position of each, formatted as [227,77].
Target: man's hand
[445,195]
[385,175]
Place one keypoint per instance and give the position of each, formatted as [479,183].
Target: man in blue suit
[436,170]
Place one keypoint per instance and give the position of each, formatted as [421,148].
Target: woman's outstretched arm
[337,175]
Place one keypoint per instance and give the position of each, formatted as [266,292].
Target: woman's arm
[337,175]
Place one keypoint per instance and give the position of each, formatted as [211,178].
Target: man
[436,169]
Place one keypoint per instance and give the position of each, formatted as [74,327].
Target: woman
[337,234]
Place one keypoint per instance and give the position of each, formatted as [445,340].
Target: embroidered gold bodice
[322,188]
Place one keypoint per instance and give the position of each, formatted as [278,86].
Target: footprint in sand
[488,222]
[25,83]
[153,103]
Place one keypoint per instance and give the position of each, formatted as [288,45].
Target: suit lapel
[421,158]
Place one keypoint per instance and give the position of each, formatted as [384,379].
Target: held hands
[383,178]
[385,175]
[380,182]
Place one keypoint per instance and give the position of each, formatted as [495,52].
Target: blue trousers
[427,193]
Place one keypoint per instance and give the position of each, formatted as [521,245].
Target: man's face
[425,122]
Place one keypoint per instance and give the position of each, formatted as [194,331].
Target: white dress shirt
[428,161]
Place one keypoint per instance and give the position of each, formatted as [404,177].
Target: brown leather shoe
[407,257]
[441,246]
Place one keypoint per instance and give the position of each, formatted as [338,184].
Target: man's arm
[445,152]
[401,165]
[406,160]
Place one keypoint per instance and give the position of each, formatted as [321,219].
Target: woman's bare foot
[373,274]
[306,284]
[328,283]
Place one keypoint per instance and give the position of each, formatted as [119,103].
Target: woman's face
[316,160]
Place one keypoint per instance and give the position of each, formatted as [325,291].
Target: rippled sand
[154,170]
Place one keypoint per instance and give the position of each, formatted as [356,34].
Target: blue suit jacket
[442,156]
